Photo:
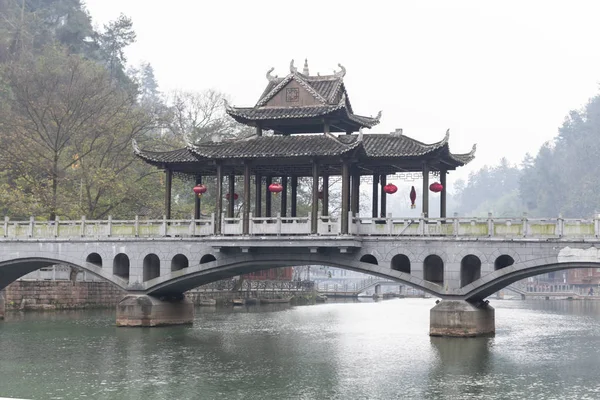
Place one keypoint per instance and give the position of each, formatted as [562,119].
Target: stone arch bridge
[155,266]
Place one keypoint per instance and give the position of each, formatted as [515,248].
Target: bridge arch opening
[369,258]
[121,266]
[94,258]
[179,262]
[503,261]
[433,269]
[151,267]
[207,258]
[400,262]
[470,269]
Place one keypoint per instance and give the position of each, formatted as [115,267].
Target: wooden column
[258,194]
[315,197]
[383,182]
[284,184]
[375,200]
[425,194]
[268,195]
[354,197]
[168,185]
[231,202]
[246,222]
[325,206]
[197,199]
[443,194]
[219,200]
[345,196]
[294,202]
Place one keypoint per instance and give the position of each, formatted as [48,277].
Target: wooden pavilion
[304,111]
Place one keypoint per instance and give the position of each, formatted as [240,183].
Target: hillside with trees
[561,179]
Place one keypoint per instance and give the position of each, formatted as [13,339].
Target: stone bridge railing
[490,227]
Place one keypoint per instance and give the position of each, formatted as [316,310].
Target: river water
[542,350]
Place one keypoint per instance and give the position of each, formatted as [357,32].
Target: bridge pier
[459,318]
[144,310]
[2,304]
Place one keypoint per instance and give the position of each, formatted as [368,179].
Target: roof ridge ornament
[293,69]
[341,73]
[134,144]
[397,132]
[378,117]
[270,77]
[305,69]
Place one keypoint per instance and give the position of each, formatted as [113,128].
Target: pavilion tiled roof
[371,146]
[274,146]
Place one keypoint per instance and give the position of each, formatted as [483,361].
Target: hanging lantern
[436,187]
[275,188]
[199,190]
[235,196]
[413,197]
[390,188]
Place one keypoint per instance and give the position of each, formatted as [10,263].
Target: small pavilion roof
[325,98]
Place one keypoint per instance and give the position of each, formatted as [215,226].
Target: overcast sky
[502,74]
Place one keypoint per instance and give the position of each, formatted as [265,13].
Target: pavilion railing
[488,227]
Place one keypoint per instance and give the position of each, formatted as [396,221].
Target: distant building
[274,274]
[584,276]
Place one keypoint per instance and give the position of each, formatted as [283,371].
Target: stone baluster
[490,223]
[192,230]
[560,226]
[422,225]
[136,226]
[30,229]
[6,220]
[56,226]
[456,224]
[82,229]
[525,225]
[279,222]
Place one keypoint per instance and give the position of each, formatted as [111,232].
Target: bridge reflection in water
[461,260]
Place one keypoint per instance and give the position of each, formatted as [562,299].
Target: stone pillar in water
[459,318]
[2,304]
[144,310]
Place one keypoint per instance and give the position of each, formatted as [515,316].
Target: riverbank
[67,295]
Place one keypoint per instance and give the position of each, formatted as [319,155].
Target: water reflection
[542,349]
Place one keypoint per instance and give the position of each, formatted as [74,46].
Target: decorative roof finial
[293,69]
[305,69]
[378,117]
[473,150]
[270,77]
[342,72]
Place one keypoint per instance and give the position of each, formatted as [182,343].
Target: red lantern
[235,196]
[413,197]
[436,187]
[275,188]
[199,190]
[390,188]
